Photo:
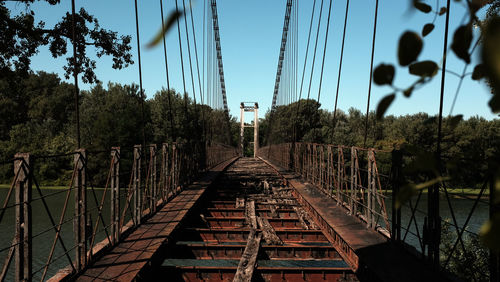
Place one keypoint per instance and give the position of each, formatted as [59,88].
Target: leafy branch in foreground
[410,46]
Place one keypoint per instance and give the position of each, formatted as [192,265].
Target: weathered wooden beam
[250,217]
[246,265]
[268,232]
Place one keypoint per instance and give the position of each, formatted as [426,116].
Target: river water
[43,229]
[44,233]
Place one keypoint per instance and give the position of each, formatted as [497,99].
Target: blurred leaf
[496,187]
[490,232]
[491,60]
[383,74]
[424,68]
[478,4]
[479,72]
[454,121]
[408,91]
[409,47]
[494,103]
[442,11]
[405,194]
[422,7]
[431,182]
[462,39]
[423,161]
[427,29]
[384,104]
[411,149]
[408,190]
[169,23]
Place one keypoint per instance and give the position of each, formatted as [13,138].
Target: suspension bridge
[203,211]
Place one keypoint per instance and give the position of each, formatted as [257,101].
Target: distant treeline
[38,116]
[467,145]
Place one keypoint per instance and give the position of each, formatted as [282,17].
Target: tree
[21,37]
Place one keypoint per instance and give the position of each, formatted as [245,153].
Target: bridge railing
[58,231]
[366,182]
[349,175]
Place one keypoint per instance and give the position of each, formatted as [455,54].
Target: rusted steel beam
[152,178]
[136,184]
[271,211]
[80,218]
[233,251]
[115,195]
[246,265]
[165,179]
[239,235]
[23,186]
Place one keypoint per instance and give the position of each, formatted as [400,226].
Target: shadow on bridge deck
[126,260]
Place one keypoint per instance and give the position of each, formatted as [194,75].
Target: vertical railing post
[397,162]
[23,184]
[80,218]
[115,194]
[353,183]
[152,179]
[174,167]
[165,170]
[137,184]
[370,217]
[340,178]
[329,169]
[494,259]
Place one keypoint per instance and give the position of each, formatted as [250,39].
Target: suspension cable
[196,57]
[182,61]
[172,129]
[371,72]
[140,75]
[324,49]
[75,74]
[303,73]
[189,51]
[340,69]
[315,48]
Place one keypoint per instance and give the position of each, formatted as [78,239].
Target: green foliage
[22,37]
[109,117]
[409,47]
[470,264]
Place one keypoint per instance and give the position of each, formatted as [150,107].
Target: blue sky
[250,40]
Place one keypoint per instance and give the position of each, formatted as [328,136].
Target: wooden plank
[250,218]
[246,265]
[268,232]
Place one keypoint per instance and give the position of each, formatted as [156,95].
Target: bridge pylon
[249,107]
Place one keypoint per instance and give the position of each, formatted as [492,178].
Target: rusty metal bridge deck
[253,221]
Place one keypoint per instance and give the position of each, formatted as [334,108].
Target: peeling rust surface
[251,228]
